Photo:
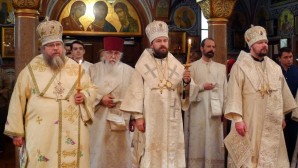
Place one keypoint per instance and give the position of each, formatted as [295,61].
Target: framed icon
[93,17]
[7,41]
[177,42]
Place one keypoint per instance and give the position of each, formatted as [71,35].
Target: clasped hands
[108,101]
[209,86]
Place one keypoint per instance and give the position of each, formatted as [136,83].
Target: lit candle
[79,75]
[188,51]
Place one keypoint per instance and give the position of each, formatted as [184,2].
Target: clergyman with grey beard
[48,113]
[110,138]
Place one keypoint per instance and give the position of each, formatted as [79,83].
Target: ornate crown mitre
[157,29]
[49,31]
[255,34]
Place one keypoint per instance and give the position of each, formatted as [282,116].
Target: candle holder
[78,89]
[79,77]
[187,64]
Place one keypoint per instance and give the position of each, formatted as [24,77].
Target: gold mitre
[157,29]
[255,34]
[49,31]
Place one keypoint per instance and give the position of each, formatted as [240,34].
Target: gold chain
[265,88]
[163,82]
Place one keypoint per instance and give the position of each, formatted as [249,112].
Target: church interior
[227,21]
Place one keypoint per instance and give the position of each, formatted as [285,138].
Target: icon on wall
[93,17]
[286,22]
[184,17]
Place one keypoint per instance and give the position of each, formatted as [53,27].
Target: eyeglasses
[53,45]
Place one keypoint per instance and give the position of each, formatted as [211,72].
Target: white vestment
[43,110]
[294,163]
[203,126]
[86,65]
[258,92]
[162,144]
[110,143]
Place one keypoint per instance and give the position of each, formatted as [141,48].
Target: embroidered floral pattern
[58,90]
[71,69]
[42,158]
[39,65]
[69,165]
[69,140]
[71,153]
[70,114]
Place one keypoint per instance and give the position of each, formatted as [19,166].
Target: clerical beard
[262,53]
[55,63]
[209,54]
[112,69]
[159,54]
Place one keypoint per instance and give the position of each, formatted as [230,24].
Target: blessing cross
[150,70]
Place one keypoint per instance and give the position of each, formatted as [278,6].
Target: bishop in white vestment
[154,99]
[258,98]
[47,116]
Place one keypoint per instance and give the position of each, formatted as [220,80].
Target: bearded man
[204,127]
[128,23]
[109,131]
[257,100]
[153,98]
[47,116]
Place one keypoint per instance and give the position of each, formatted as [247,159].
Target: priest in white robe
[258,98]
[203,120]
[154,100]
[51,107]
[109,133]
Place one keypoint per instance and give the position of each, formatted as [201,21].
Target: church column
[26,20]
[217,13]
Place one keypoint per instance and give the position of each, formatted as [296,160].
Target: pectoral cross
[264,90]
